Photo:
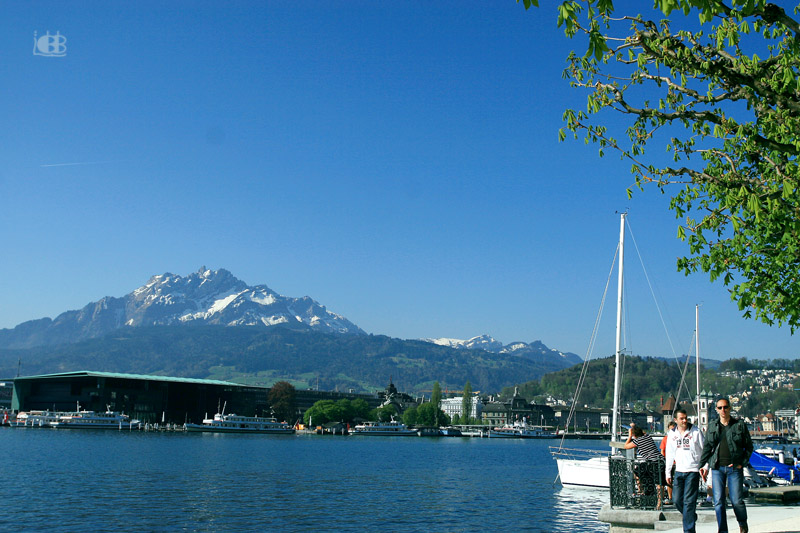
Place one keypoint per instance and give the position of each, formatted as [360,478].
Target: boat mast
[615,413]
[697,360]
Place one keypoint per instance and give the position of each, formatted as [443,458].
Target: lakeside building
[399,400]
[591,419]
[455,406]
[496,413]
[707,411]
[154,399]
[6,390]
[584,419]
[788,420]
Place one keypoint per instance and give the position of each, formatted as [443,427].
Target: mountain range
[535,351]
[210,324]
[206,297]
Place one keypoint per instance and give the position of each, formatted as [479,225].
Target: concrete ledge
[783,494]
[636,520]
[629,518]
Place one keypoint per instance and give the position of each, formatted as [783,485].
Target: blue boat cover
[762,463]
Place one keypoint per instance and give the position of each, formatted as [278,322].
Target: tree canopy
[344,410]
[466,403]
[428,414]
[715,83]
[281,398]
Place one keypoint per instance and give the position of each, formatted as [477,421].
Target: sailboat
[589,468]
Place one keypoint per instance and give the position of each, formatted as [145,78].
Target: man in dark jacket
[727,451]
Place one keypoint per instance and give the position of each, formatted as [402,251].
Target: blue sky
[397,161]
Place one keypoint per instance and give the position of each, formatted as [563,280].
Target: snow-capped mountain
[535,350]
[203,297]
[481,342]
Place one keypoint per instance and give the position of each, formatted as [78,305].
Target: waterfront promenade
[760,519]
[775,510]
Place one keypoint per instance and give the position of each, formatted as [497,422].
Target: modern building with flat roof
[155,398]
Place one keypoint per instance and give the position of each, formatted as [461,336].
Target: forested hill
[265,355]
[643,379]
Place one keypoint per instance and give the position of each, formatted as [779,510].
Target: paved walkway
[760,519]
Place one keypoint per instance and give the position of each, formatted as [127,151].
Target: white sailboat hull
[584,472]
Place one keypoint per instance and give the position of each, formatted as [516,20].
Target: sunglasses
[721,407]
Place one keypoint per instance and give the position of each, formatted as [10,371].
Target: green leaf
[788,189]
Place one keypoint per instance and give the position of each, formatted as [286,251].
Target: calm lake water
[71,480]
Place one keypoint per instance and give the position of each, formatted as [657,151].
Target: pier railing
[635,483]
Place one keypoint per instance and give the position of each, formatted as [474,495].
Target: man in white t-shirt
[685,446]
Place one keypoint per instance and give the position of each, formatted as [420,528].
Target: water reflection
[572,505]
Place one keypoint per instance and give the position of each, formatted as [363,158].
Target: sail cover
[763,464]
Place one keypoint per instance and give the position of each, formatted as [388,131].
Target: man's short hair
[680,410]
[725,398]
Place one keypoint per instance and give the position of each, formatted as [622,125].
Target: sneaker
[706,503]
[743,529]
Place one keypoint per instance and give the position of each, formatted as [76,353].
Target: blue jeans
[733,478]
[684,495]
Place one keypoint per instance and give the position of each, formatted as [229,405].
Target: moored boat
[384,429]
[504,432]
[520,431]
[583,468]
[96,420]
[782,455]
[37,419]
[233,423]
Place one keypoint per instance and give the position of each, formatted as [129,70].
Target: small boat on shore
[384,429]
[233,423]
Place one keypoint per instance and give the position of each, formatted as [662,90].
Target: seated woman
[650,475]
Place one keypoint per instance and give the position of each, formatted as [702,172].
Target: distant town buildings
[153,398]
[453,407]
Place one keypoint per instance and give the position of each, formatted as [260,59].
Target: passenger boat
[95,420]
[37,419]
[520,431]
[504,432]
[384,429]
[233,423]
[536,432]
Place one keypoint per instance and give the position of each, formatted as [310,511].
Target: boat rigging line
[589,349]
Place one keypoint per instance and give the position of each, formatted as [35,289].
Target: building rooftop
[85,373]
